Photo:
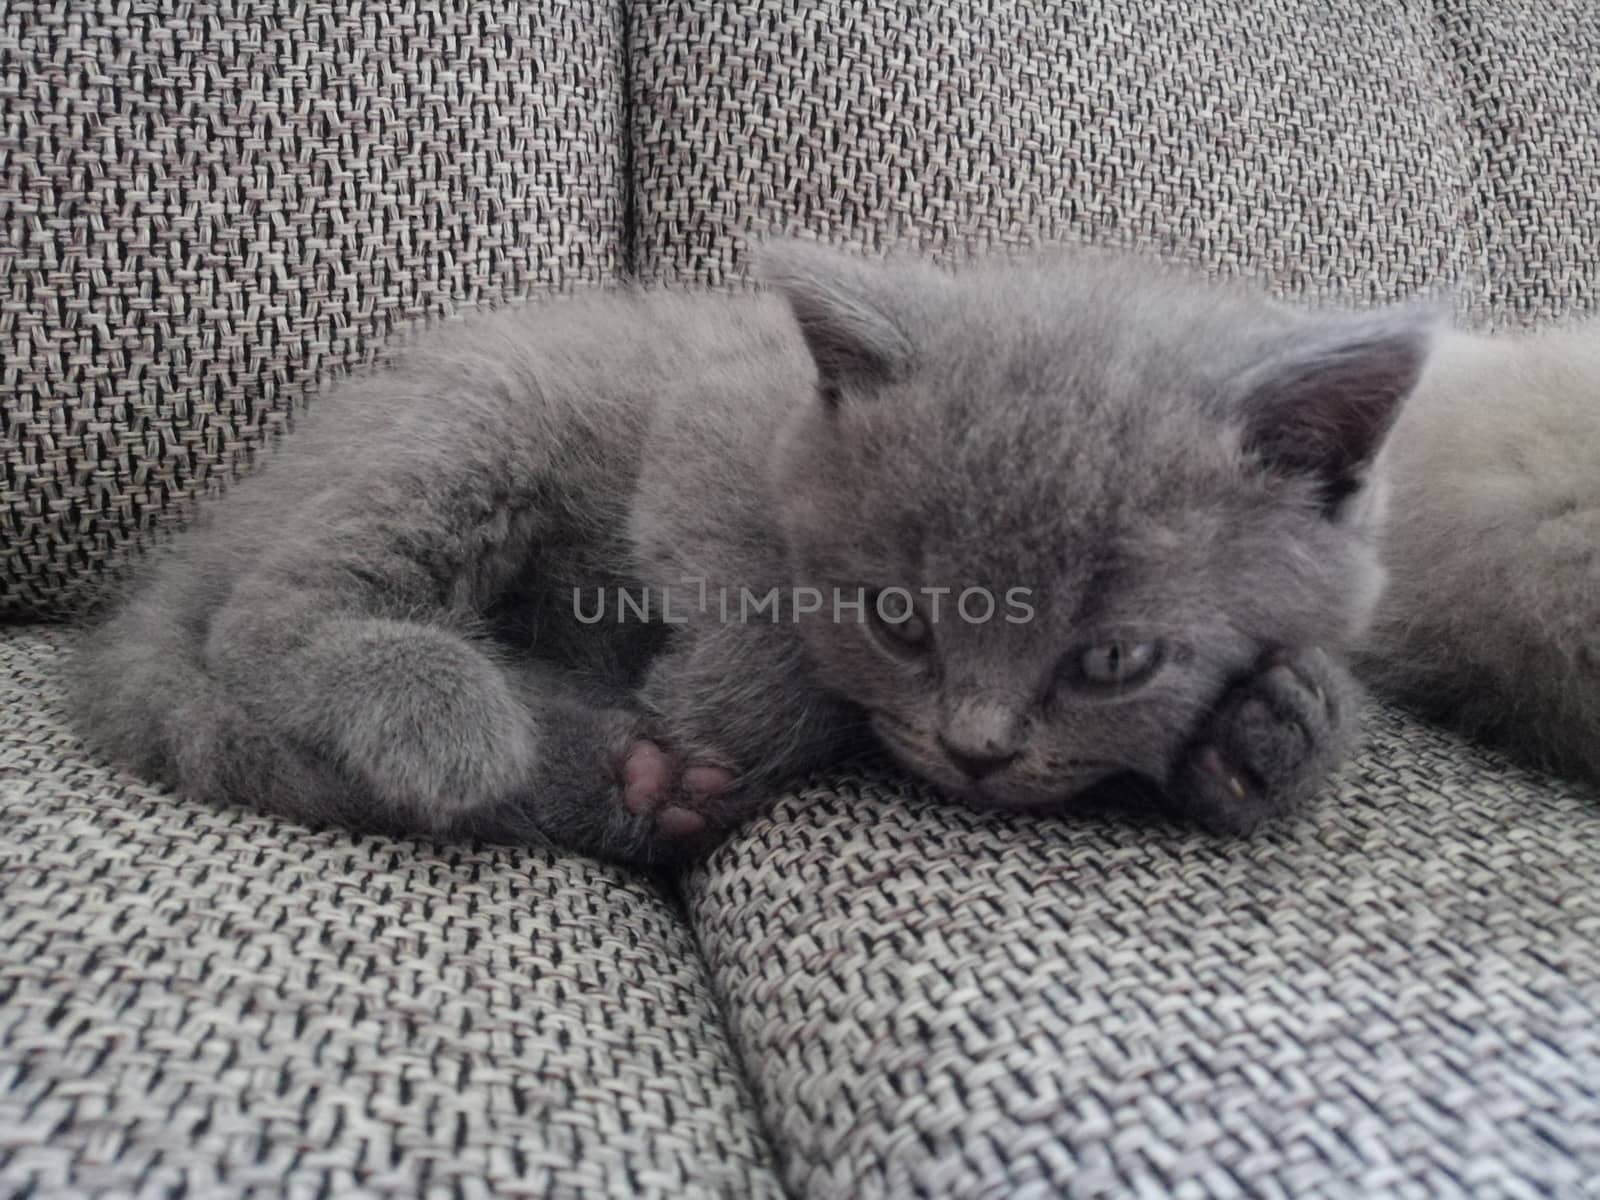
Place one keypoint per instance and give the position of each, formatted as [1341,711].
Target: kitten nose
[979,759]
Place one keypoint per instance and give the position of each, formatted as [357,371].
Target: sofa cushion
[199,213]
[1396,996]
[211,1003]
[1317,145]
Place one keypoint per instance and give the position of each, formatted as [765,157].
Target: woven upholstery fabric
[207,1003]
[1398,996]
[1530,81]
[1395,997]
[203,206]
[1313,144]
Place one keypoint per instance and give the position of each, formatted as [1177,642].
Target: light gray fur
[1492,616]
[377,628]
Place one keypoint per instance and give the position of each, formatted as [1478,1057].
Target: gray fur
[1492,617]
[378,629]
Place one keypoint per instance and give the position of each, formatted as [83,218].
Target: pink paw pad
[704,782]
[646,778]
[651,780]
[678,821]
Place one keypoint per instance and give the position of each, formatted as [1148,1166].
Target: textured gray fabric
[1530,82]
[216,1004]
[1313,144]
[200,211]
[1397,997]
[201,207]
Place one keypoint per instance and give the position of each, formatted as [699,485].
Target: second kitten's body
[1491,618]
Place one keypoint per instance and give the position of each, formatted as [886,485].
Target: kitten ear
[842,304]
[1324,405]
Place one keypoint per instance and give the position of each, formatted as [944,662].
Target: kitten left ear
[844,307]
[1324,405]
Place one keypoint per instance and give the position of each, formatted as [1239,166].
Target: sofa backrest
[1299,141]
[1359,149]
[203,216]
[200,215]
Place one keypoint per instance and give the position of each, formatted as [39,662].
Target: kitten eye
[898,624]
[1114,665]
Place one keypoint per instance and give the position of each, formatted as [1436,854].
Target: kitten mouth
[1069,778]
[933,772]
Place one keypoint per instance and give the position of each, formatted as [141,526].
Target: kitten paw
[416,714]
[1270,743]
[654,787]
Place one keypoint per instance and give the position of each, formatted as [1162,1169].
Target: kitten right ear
[842,306]
[1323,405]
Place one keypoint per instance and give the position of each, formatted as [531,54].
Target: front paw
[1269,744]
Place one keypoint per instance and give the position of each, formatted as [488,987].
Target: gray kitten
[411,620]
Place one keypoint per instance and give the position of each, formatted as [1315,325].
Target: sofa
[211,210]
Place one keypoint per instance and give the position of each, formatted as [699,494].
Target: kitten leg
[409,726]
[1270,743]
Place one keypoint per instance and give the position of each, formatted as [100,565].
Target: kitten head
[1079,495]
